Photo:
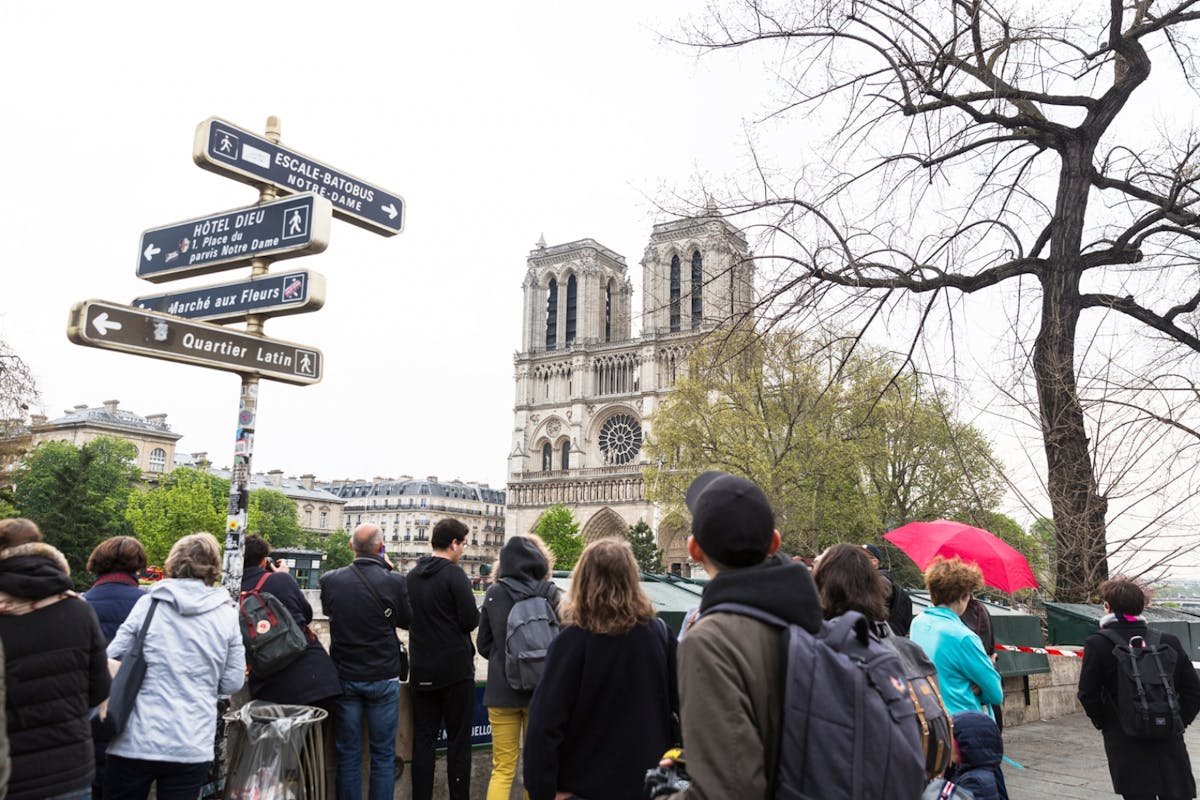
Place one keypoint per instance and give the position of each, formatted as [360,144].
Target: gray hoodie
[193,654]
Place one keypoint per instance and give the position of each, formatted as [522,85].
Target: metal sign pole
[243,449]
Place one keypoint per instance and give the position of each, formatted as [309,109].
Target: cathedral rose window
[620,439]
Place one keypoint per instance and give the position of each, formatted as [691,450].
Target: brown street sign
[111,326]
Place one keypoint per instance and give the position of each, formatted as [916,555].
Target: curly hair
[950,580]
[117,554]
[606,594]
[849,581]
[195,556]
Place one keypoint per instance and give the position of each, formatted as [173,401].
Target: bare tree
[18,389]
[978,144]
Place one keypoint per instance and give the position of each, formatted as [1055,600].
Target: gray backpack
[848,730]
[532,625]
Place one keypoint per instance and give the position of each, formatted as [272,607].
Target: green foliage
[843,443]
[7,509]
[77,495]
[338,552]
[272,515]
[560,532]
[648,556]
[185,501]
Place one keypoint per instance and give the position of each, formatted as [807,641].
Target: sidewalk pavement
[1064,760]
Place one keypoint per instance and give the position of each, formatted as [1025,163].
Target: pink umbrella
[1002,566]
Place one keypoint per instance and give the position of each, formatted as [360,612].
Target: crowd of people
[614,705]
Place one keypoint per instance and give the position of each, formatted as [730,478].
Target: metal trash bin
[275,752]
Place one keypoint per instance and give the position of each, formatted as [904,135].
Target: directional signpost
[96,323]
[266,296]
[293,226]
[245,156]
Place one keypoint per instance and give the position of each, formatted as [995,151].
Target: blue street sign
[293,226]
[266,295]
[236,152]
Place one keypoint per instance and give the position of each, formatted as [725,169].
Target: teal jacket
[958,655]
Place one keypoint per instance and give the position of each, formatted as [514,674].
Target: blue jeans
[378,702]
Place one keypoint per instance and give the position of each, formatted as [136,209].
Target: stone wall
[1046,696]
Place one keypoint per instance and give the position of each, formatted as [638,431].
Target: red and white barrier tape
[1042,651]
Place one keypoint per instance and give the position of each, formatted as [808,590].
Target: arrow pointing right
[103,324]
[391,211]
[151,251]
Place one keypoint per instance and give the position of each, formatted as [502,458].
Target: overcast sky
[496,122]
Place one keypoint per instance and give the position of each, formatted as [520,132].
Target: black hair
[447,531]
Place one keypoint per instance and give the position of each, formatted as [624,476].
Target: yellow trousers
[508,733]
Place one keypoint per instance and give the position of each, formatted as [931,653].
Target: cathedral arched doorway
[672,542]
[604,524]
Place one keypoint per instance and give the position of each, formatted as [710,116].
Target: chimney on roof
[432,479]
[80,407]
[37,419]
[308,480]
[110,406]
[202,462]
[275,476]
[157,420]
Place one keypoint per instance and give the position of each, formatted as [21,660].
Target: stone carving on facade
[553,427]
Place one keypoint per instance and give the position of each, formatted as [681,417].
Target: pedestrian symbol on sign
[224,143]
[295,222]
[308,364]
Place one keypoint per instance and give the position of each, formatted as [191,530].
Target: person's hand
[280,566]
[975,690]
[563,796]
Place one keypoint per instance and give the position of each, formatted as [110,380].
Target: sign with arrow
[266,295]
[293,226]
[110,326]
[237,153]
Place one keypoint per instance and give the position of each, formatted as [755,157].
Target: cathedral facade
[587,388]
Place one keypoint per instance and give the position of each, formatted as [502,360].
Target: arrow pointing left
[104,324]
[151,251]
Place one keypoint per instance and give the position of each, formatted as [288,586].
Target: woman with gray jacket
[193,650]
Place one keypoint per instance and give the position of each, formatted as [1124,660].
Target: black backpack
[847,731]
[531,626]
[1147,704]
[269,631]
[934,725]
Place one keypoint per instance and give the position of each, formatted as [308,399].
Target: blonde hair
[195,556]
[606,593]
[952,579]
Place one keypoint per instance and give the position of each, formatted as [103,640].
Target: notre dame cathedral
[586,387]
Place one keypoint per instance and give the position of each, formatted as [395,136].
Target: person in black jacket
[56,670]
[1141,769]
[443,660]
[365,603]
[899,605]
[310,680]
[524,565]
[602,714]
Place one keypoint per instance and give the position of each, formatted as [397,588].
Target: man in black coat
[365,603]
[443,660]
[899,605]
[1139,768]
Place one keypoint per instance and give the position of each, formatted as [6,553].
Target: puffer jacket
[55,670]
[193,654]
[522,562]
[982,749]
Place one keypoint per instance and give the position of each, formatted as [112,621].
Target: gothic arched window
[552,315]
[697,289]
[572,292]
[674,293]
[608,291]
[547,457]
[566,455]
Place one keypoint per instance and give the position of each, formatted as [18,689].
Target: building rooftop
[108,415]
[410,487]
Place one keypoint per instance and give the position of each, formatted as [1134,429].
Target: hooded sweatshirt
[729,679]
[194,654]
[55,670]
[982,749]
[522,565]
[444,614]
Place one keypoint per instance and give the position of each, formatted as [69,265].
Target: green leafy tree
[840,440]
[272,515]
[77,495]
[560,531]
[185,501]
[648,556]
[338,552]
